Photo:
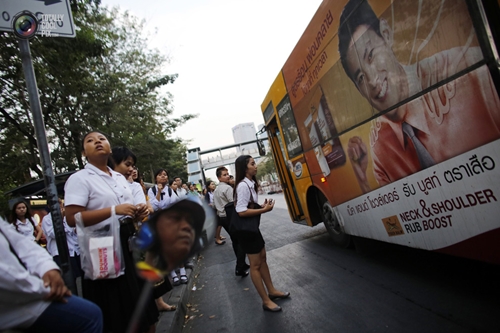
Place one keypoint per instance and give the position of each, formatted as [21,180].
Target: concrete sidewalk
[172,322]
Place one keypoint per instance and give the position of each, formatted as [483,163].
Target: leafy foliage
[266,167]
[105,79]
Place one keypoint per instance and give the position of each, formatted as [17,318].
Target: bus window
[291,134]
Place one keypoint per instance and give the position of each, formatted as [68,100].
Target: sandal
[175,281]
[222,242]
[184,279]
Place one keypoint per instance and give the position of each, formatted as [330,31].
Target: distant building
[243,133]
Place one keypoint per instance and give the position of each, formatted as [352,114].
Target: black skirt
[250,242]
[161,288]
[118,297]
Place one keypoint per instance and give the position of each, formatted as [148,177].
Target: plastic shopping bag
[100,247]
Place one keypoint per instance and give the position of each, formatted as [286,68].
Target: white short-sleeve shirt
[244,191]
[71,237]
[94,189]
[137,193]
[26,229]
[175,196]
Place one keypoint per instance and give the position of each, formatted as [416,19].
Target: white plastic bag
[100,247]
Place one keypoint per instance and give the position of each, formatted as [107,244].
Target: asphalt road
[375,287]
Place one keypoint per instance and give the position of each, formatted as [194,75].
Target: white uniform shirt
[21,290]
[165,199]
[175,196]
[244,194]
[211,198]
[182,192]
[94,189]
[137,193]
[71,237]
[26,229]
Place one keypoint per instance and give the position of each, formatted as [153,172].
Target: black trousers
[238,251]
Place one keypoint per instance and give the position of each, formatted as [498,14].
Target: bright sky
[227,54]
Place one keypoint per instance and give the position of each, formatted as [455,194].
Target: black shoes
[276,309]
[273,297]
[241,272]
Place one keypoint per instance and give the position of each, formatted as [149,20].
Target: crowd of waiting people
[109,185]
[110,189]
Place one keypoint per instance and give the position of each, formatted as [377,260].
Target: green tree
[266,167]
[105,79]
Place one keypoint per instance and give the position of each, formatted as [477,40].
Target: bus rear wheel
[333,226]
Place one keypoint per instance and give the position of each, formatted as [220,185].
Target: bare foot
[162,306]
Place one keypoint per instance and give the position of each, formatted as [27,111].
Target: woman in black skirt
[253,243]
[96,192]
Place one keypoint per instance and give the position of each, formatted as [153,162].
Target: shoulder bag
[247,224]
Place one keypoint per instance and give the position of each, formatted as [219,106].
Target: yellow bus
[384,123]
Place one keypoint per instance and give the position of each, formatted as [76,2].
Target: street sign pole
[48,173]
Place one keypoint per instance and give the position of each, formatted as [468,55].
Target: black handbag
[238,223]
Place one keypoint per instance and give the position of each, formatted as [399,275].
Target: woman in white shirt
[21,218]
[71,240]
[176,195]
[253,243]
[160,194]
[95,192]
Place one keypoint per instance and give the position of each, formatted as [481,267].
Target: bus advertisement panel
[396,107]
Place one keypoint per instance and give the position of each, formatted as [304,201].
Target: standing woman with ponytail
[252,242]
[98,193]
[20,217]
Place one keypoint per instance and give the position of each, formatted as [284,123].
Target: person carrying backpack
[160,195]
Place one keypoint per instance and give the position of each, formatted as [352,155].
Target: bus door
[279,156]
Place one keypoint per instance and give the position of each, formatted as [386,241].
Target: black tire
[334,228]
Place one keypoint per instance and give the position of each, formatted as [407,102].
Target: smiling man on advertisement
[458,116]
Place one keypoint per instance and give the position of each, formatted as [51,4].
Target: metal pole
[135,321]
[43,147]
